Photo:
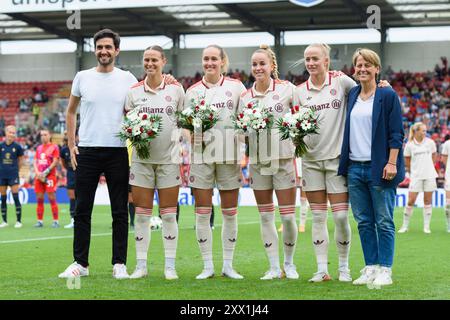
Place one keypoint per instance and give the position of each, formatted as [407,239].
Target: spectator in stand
[4,102]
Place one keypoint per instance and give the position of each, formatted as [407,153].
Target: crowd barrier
[246,197]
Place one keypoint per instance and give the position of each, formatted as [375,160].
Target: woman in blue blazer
[372,160]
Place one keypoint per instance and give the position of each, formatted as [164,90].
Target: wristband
[46,171]
[394,164]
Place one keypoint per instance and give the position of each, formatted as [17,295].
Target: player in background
[272,163]
[446,159]
[11,160]
[162,170]
[70,185]
[131,207]
[45,162]
[420,157]
[219,161]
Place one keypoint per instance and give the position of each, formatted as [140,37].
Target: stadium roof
[270,16]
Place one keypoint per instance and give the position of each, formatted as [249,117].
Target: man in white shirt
[101,93]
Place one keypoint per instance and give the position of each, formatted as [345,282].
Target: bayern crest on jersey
[306,3]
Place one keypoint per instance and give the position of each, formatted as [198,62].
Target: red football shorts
[42,187]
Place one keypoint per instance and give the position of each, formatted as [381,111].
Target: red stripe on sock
[168,210]
[229,211]
[144,211]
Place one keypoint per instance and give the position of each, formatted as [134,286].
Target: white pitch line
[92,235]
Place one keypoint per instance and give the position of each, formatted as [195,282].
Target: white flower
[187,112]
[197,123]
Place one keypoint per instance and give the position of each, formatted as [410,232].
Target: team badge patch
[276,97]
[306,3]
[178,177]
[169,110]
[303,182]
[168,98]
[333,92]
[279,107]
[228,94]
[131,176]
[191,179]
[336,104]
[230,104]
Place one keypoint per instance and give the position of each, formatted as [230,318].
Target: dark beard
[109,62]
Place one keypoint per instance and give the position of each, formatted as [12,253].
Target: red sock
[54,206]
[40,209]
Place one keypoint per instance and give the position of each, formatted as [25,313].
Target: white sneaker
[368,275]
[384,277]
[231,273]
[272,274]
[403,230]
[320,276]
[120,271]
[344,275]
[3,224]
[139,273]
[74,270]
[70,225]
[18,225]
[206,273]
[290,271]
[170,274]
[426,230]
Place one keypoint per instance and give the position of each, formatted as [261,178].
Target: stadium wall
[417,56]
[246,197]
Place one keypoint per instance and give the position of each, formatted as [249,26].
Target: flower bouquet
[253,118]
[140,128]
[199,116]
[296,126]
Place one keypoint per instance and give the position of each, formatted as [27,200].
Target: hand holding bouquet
[140,128]
[296,126]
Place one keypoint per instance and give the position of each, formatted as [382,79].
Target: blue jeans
[373,209]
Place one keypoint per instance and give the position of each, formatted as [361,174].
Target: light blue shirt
[361,130]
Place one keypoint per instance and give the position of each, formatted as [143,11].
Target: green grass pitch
[31,260]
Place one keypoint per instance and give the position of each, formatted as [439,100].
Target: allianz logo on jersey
[306,3]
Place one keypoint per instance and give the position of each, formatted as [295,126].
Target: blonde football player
[446,160]
[218,164]
[272,163]
[420,156]
[161,171]
[325,92]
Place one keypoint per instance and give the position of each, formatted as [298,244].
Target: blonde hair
[368,55]
[264,48]
[326,49]
[223,56]
[7,128]
[414,128]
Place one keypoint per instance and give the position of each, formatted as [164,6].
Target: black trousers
[92,162]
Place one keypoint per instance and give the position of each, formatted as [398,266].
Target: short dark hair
[107,33]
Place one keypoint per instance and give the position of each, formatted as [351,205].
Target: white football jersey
[221,143]
[163,102]
[278,100]
[446,151]
[422,166]
[330,104]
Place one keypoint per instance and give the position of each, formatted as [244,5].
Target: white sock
[229,232]
[427,210]
[303,211]
[342,233]
[141,264]
[169,263]
[142,233]
[290,233]
[407,214]
[447,212]
[169,231]
[269,234]
[320,235]
[204,234]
